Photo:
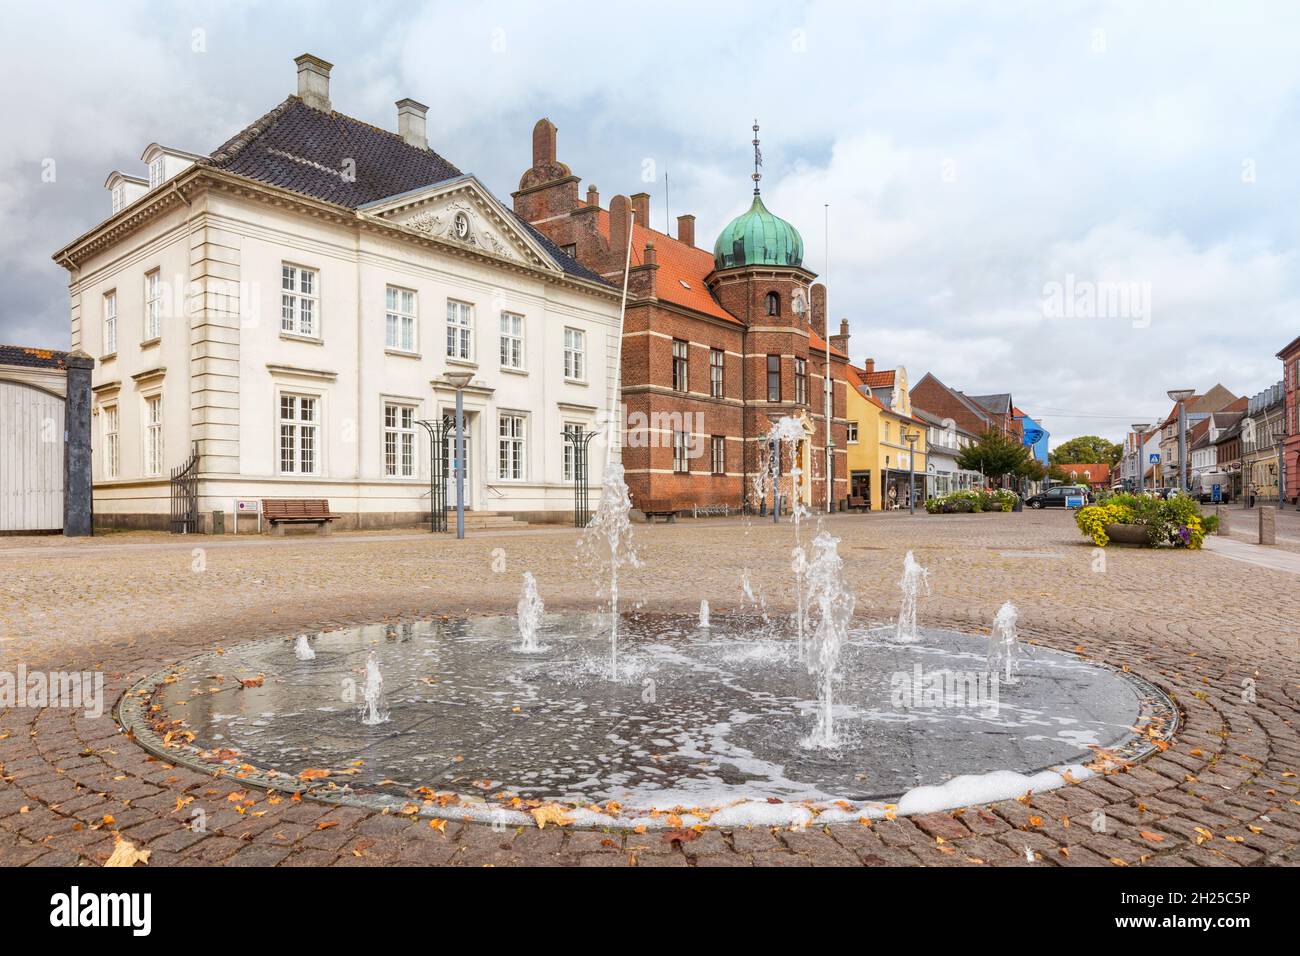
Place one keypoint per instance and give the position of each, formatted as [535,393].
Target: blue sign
[1074,501]
[1032,436]
[1153,458]
[1216,494]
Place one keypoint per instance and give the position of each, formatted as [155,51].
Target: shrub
[967,502]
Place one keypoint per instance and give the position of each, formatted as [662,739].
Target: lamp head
[1180,394]
[458,380]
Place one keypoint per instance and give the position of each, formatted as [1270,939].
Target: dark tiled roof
[31,358]
[999,404]
[306,151]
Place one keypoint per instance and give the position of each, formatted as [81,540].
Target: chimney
[686,229]
[411,124]
[650,258]
[818,318]
[641,203]
[841,341]
[869,365]
[593,195]
[544,144]
[620,210]
[314,81]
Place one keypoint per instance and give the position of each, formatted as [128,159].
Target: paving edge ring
[131,714]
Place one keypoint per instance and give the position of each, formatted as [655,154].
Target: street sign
[1153,458]
[1074,501]
[1216,494]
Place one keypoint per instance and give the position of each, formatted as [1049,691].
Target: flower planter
[1128,533]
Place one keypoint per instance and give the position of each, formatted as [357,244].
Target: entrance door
[31,459]
[449,474]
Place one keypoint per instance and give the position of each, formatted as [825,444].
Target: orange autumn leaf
[326,824]
[313,773]
[1153,837]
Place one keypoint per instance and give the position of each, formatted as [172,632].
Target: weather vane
[758,159]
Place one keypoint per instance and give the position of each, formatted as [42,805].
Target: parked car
[1056,497]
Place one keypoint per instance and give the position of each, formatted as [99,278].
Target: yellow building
[881,461]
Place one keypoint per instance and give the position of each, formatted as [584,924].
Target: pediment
[463,213]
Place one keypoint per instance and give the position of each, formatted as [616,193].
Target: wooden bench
[282,511]
[859,503]
[669,516]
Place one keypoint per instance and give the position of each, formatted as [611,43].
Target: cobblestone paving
[1219,636]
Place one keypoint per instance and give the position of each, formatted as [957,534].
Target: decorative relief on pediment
[461,221]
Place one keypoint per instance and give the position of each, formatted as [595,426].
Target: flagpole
[826,376]
[617,394]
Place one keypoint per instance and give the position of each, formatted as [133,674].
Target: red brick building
[1290,356]
[716,346]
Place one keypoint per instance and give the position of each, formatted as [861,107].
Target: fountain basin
[698,725]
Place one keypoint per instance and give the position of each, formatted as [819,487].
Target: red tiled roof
[1098,472]
[883,379]
[682,269]
[818,344]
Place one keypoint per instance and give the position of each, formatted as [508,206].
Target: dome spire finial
[758,159]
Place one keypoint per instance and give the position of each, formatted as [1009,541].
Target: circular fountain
[643,720]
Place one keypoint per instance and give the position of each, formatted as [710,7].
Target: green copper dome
[758,238]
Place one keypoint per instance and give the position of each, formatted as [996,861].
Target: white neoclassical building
[291,307]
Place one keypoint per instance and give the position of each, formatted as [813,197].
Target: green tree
[995,455]
[1086,450]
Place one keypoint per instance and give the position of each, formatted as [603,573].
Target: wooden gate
[31,458]
[185,495]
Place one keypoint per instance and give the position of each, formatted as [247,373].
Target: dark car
[1056,497]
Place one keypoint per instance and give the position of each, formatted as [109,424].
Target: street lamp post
[1180,395]
[458,381]
[1141,429]
[911,438]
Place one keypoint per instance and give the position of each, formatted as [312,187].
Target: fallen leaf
[551,813]
[126,854]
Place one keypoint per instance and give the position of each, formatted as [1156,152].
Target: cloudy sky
[1081,203]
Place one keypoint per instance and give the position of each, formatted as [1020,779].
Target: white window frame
[110,322]
[152,305]
[119,197]
[154,437]
[681,452]
[575,354]
[460,330]
[157,172]
[401,323]
[300,298]
[512,446]
[567,461]
[399,440]
[296,428]
[512,326]
[110,424]
[718,454]
[852,433]
[717,373]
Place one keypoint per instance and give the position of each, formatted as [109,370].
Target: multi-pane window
[110,322]
[681,451]
[399,440]
[718,448]
[512,340]
[774,378]
[853,433]
[111,461]
[510,447]
[681,365]
[152,305]
[119,197]
[153,435]
[801,381]
[716,359]
[568,466]
[298,296]
[575,354]
[399,321]
[156,172]
[460,330]
[298,432]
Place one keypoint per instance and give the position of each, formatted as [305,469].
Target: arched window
[773,304]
